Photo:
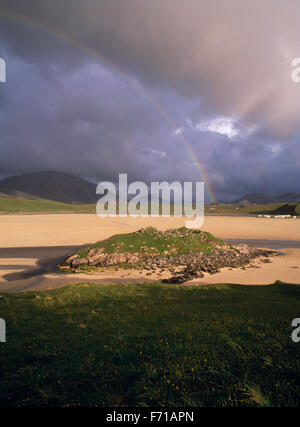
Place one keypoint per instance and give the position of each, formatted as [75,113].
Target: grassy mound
[153,242]
[151,345]
[183,253]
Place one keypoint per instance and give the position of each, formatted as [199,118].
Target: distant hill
[288,197]
[57,186]
[253,199]
[263,199]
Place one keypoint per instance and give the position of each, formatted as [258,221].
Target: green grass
[150,345]
[15,205]
[153,241]
[274,208]
[283,209]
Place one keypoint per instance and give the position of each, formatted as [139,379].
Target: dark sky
[102,87]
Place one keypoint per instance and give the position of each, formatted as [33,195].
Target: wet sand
[32,245]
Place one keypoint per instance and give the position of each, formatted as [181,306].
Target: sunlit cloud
[276,149]
[158,153]
[222,125]
[178,131]
[227,126]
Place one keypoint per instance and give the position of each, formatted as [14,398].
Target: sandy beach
[28,242]
[78,229]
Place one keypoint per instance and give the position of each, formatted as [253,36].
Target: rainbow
[111,66]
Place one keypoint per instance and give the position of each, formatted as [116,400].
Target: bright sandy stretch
[75,229]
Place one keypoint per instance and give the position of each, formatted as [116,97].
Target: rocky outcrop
[182,267]
[97,258]
[197,264]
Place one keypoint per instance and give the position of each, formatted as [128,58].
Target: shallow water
[47,259]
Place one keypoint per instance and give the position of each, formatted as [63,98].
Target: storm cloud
[99,87]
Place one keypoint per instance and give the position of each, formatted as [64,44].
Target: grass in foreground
[149,345]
